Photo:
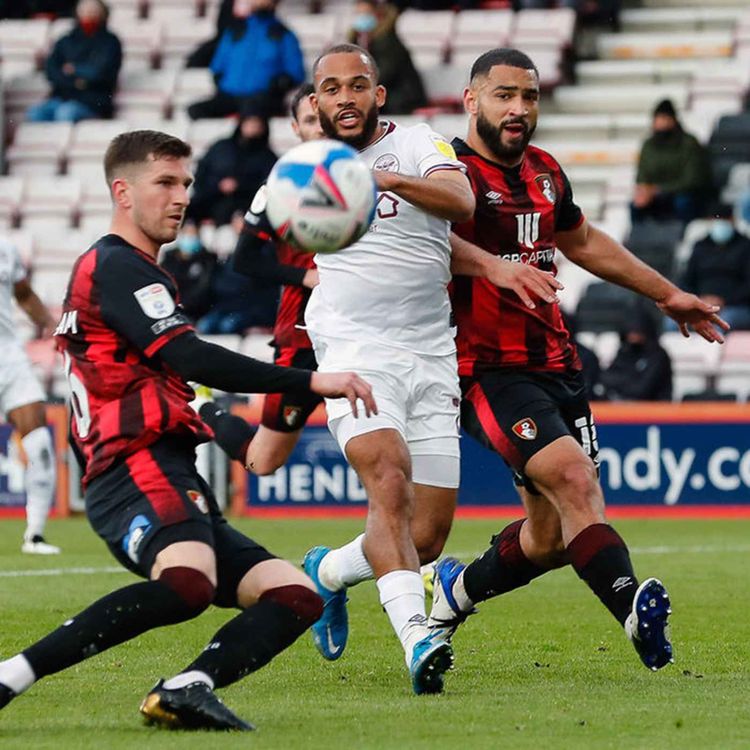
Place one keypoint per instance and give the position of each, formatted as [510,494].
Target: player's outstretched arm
[30,303]
[469,260]
[446,193]
[606,258]
[212,365]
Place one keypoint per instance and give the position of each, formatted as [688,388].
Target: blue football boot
[445,614]
[647,626]
[331,631]
[431,659]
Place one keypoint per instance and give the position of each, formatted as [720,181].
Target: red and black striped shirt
[518,211]
[120,309]
[291,313]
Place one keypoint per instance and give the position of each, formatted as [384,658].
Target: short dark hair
[351,49]
[136,146]
[501,56]
[301,93]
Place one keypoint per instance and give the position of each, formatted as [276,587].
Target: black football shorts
[154,498]
[516,414]
[288,412]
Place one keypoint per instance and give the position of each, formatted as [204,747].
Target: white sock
[459,593]
[17,674]
[402,597]
[188,678]
[345,566]
[40,479]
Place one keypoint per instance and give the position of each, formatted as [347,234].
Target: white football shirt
[390,287]
[11,272]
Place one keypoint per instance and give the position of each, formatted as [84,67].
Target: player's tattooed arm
[445,193]
[606,258]
[526,281]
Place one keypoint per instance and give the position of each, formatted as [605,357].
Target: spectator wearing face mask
[718,270]
[192,267]
[641,369]
[232,170]
[374,29]
[673,171]
[82,69]
[258,60]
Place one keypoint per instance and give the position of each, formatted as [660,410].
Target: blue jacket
[253,63]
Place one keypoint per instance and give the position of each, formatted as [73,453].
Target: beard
[492,136]
[357,140]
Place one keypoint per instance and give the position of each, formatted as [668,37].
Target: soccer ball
[320,196]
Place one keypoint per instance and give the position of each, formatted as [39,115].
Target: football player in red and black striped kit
[261,256]
[523,393]
[129,351]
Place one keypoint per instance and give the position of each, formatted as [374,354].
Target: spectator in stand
[82,68]
[719,269]
[203,54]
[232,170]
[641,369]
[374,29]
[192,267]
[592,370]
[258,60]
[673,171]
[239,302]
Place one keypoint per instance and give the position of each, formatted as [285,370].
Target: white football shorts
[417,395]
[18,382]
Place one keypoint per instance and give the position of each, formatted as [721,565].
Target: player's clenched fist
[346,385]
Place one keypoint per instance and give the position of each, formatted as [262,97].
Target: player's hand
[384,180]
[346,385]
[689,311]
[311,279]
[524,280]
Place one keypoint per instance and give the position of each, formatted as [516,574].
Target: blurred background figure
[673,171]
[592,369]
[258,59]
[82,69]
[201,56]
[374,28]
[232,170]
[192,267]
[238,302]
[641,369]
[718,269]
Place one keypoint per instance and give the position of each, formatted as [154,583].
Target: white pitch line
[59,572]
[702,549]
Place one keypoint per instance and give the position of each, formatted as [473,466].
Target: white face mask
[722,231]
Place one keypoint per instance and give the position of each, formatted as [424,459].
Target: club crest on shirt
[525,428]
[199,500]
[291,415]
[546,187]
[386,163]
[155,301]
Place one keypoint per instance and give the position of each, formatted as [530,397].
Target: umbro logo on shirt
[493,198]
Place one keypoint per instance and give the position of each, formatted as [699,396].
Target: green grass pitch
[544,667]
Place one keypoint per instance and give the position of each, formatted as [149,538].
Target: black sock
[601,558]
[503,567]
[255,636]
[231,433]
[113,619]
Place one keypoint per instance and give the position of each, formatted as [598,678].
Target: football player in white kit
[382,309]
[22,398]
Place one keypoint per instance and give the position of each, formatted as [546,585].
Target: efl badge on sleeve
[155,301]
[525,428]
[199,500]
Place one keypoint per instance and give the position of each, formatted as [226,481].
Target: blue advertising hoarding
[658,454]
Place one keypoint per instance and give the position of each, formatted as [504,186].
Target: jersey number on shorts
[79,400]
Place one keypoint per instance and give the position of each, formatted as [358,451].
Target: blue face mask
[722,231]
[364,22]
[189,243]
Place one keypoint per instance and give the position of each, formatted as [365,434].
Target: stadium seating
[733,375]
